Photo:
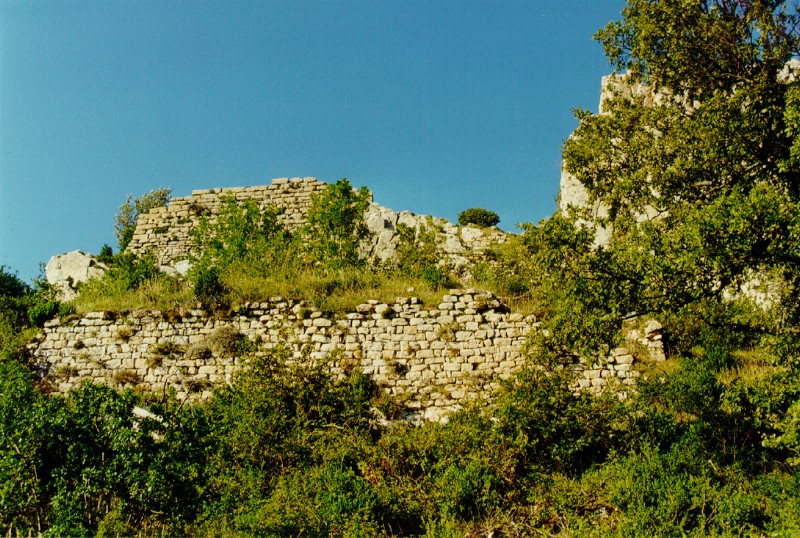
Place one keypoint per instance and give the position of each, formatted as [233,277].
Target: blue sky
[436,106]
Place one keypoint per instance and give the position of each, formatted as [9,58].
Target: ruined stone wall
[166,231]
[433,358]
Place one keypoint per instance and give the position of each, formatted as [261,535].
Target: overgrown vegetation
[288,450]
[707,445]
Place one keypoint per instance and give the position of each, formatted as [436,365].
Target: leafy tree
[697,170]
[128,213]
[478,216]
[335,228]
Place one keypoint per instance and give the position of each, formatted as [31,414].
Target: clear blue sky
[436,106]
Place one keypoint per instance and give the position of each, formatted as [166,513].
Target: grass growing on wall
[246,255]
[337,292]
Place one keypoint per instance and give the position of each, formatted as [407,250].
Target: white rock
[652,329]
[66,271]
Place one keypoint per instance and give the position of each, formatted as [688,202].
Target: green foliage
[243,233]
[10,284]
[132,271]
[580,293]
[22,308]
[106,254]
[128,278]
[479,217]
[128,213]
[245,240]
[700,183]
[335,228]
[208,286]
[419,256]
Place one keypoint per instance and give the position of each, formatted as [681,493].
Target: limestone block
[591,374]
[625,359]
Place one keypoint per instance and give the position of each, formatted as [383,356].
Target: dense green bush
[208,286]
[478,216]
[22,308]
[335,228]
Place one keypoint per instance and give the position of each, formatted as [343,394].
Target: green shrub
[41,311]
[106,254]
[131,271]
[478,216]
[335,227]
[419,256]
[437,277]
[325,500]
[468,490]
[208,286]
[243,233]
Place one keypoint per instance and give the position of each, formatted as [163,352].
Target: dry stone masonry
[166,231]
[433,359]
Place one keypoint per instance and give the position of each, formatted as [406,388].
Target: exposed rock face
[66,271]
[456,242]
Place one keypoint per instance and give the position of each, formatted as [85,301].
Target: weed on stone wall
[125,377]
[224,340]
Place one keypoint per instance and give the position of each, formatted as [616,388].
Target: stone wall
[433,358]
[166,231]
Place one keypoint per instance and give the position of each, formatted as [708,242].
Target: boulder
[66,271]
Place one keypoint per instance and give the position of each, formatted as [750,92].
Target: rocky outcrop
[457,243]
[66,271]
